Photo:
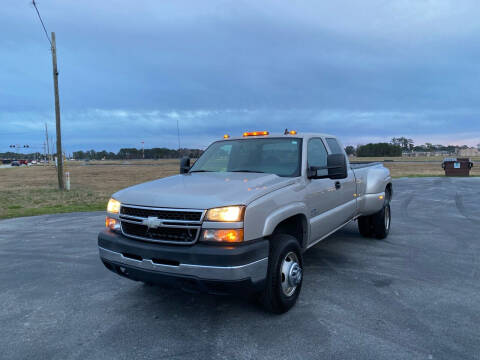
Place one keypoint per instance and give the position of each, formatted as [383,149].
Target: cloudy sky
[363,70]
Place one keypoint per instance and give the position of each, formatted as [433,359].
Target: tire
[377,224]
[381,222]
[365,226]
[284,276]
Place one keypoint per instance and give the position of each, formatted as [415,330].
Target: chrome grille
[162,214]
[171,226]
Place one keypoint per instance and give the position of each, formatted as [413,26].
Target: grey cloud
[362,70]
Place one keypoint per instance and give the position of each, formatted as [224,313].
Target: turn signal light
[255,133]
[111,223]
[221,235]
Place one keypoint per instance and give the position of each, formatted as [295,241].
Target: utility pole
[48,146]
[57,115]
[52,151]
[51,40]
[143,149]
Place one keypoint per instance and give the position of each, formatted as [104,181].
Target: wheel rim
[387,218]
[290,274]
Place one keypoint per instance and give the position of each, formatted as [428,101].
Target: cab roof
[305,135]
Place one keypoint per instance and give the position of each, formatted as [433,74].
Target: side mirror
[184,165]
[336,166]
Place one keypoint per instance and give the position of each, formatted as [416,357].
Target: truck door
[322,196]
[345,188]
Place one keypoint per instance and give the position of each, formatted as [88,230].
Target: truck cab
[241,217]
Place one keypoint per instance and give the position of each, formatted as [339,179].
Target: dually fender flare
[377,180]
[277,216]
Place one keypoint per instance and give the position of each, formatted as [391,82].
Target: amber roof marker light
[255,133]
[226,136]
[291,132]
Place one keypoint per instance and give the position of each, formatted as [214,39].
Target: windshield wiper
[200,171]
[248,171]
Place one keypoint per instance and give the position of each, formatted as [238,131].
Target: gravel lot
[414,296]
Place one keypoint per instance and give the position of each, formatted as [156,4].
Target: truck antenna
[178,136]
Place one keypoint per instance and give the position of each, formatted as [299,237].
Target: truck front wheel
[285,274]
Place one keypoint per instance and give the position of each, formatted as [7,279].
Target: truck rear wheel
[381,222]
[285,274]
[377,225]
[365,226]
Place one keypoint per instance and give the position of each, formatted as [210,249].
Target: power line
[43,25]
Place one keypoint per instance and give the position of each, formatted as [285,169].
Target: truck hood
[202,190]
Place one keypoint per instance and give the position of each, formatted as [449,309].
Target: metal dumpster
[457,166]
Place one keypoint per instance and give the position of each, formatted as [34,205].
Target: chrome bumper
[256,271]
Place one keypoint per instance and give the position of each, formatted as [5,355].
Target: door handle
[337,185]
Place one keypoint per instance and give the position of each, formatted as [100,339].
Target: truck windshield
[280,156]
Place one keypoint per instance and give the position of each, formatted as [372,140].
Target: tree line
[396,147]
[133,153]
[374,149]
[14,155]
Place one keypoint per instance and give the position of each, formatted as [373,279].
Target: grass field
[26,191]
[33,190]
[432,159]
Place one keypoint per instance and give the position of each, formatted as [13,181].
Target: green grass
[53,209]
[40,201]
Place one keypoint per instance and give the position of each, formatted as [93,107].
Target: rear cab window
[333,145]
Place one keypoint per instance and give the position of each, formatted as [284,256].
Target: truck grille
[172,226]
[180,235]
[162,214]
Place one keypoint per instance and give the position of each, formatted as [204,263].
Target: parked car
[240,219]
[15,163]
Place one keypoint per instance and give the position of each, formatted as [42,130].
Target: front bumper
[244,265]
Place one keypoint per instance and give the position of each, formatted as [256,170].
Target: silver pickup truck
[240,219]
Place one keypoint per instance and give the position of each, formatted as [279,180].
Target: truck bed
[363,164]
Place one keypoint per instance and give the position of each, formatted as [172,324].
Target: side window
[218,159]
[334,147]
[317,155]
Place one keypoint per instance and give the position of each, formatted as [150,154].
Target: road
[414,296]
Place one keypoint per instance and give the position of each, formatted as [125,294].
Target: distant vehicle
[240,219]
[15,163]
[22,162]
[34,162]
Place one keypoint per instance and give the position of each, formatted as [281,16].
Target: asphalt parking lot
[414,296]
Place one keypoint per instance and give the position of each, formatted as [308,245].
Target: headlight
[113,206]
[227,213]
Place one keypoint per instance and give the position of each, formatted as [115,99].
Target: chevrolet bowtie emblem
[152,222]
